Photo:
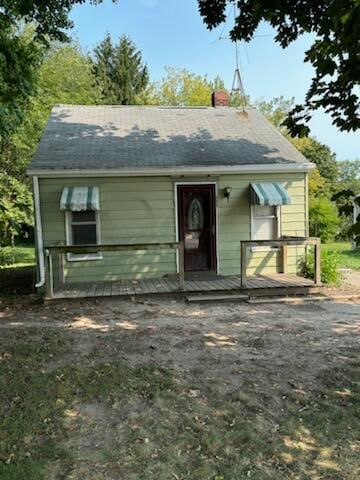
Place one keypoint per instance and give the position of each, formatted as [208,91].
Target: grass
[348,258]
[21,255]
[17,278]
[111,420]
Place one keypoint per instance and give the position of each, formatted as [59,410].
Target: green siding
[132,210]
[142,210]
[235,223]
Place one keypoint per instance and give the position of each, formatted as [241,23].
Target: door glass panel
[197,227]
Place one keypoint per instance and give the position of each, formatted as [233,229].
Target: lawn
[161,389]
[17,278]
[21,255]
[348,258]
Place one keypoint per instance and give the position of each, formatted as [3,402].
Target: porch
[279,284]
[255,286]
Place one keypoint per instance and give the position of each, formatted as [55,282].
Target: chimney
[220,99]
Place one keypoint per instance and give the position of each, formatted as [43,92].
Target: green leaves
[323,219]
[119,71]
[334,53]
[16,207]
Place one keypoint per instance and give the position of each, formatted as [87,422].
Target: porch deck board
[169,285]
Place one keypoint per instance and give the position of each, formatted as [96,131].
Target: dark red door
[197,226]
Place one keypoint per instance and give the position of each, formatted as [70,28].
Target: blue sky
[171,33]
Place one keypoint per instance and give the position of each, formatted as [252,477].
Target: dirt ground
[276,360]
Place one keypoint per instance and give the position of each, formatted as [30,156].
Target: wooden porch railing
[61,250]
[282,243]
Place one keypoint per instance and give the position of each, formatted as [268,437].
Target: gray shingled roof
[115,137]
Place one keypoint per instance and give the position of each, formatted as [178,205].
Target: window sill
[73,257]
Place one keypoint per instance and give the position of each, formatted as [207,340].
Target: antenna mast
[237,88]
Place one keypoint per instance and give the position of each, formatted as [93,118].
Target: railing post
[317,262]
[181,266]
[284,258]
[61,268]
[243,250]
[50,282]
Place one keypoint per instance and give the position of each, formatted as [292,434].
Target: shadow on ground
[161,389]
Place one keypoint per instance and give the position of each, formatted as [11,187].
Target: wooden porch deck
[261,284]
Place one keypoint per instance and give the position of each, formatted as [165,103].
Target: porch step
[217,297]
[297,299]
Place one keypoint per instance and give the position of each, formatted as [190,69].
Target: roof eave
[181,171]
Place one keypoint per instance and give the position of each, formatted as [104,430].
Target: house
[207,176]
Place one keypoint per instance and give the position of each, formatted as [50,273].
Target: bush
[7,256]
[323,219]
[344,231]
[329,267]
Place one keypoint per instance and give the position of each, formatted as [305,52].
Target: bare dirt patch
[163,389]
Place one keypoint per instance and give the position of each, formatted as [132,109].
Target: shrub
[323,218]
[7,256]
[329,267]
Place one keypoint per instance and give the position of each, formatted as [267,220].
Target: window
[82,228]
[265,223]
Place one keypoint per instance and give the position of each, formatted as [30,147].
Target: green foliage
[323,218]
[7,256]
[333,53]
[344,229]
[182,88]
[275,110]
[119,71]
[320,154]
[349,257]
[348,186]
[329,267]
[354,232]
[20,56]
[16,208]
[20,255]
[26,28]
[64,77]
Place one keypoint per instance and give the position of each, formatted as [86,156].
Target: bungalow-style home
[208,177]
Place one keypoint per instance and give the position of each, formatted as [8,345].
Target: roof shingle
[135,137]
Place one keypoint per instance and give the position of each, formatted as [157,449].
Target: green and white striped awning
[78,199]
[269,193]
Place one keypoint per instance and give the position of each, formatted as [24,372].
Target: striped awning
[269,193]
[78,199]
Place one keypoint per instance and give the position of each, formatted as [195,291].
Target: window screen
[265,223]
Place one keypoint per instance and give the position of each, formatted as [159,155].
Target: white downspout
[39,236]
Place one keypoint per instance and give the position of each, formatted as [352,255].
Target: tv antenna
[237,89]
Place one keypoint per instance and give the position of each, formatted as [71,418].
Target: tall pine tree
[119,71]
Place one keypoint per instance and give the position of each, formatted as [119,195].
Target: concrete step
[217,297]
[298,299]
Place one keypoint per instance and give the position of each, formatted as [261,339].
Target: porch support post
[181,266]
[284,259]
[243,250]
[50,282]
[317,262]
[61,268]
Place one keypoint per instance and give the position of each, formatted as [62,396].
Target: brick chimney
[220,99]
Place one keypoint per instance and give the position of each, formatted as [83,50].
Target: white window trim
[252,229]
[81,257]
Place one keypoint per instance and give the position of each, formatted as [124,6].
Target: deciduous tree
[334,53]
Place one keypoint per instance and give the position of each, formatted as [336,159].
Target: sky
[172,33]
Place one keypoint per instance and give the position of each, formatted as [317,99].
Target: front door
[197,226]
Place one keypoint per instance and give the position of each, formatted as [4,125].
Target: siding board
[142,209]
